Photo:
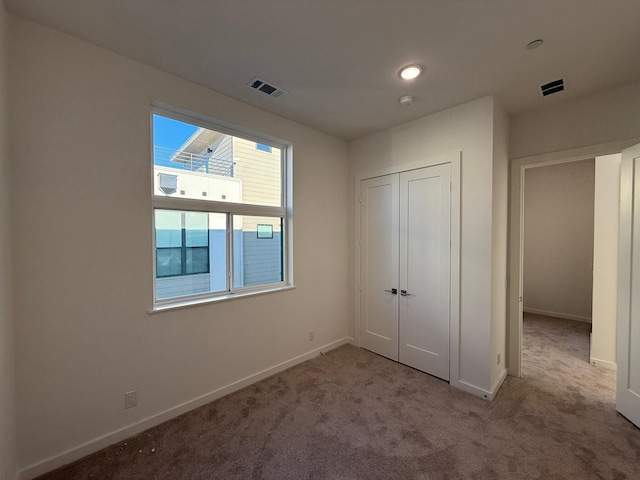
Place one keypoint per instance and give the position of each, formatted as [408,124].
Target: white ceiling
[339,59]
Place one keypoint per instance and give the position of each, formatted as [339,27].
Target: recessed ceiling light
[534,44]
[410,72]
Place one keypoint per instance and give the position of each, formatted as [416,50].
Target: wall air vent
[265,87]
[168,183]
[551,87]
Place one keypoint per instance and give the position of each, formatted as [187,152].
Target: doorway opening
[558,246]
[602,350]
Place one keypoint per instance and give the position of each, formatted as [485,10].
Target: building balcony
[192,162]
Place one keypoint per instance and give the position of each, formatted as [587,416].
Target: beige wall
[468,128]
[606,117]
[558,239]
[7,413]
[605,260]
[83,268]
[499,216]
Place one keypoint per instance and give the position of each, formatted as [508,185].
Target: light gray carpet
[354,415]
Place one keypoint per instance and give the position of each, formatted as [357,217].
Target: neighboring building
[191,246]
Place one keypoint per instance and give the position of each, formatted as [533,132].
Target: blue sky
[170,133]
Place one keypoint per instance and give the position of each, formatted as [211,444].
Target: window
[264,148]
[220,212]
[265,231]
[182,243]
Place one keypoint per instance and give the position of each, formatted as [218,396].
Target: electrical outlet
[131,399]
[312,335]
[498,359]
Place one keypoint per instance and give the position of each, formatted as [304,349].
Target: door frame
[455,161]
[518,167]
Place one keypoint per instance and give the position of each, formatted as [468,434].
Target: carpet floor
[351,414]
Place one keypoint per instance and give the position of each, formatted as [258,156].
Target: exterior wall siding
[260,172]
[262,262]
[170,287]
[224,150]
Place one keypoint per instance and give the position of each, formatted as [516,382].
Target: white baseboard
[604,364]
[481,392]
[472,389]
[121,434]
[566,316]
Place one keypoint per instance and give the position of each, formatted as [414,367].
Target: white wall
[7,383]
[558,239]
[83,251]
[605,260]
[606,117]
[469,128]
[499,215]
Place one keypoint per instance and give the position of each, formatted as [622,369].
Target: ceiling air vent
[552,87]
[270,89]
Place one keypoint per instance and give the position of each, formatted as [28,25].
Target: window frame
[284,211]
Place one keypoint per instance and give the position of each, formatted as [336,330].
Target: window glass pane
[196,263]
[218,251]
[257,260]
[209,165]
[168,228]
[168,262]
[197,260]
[196,229]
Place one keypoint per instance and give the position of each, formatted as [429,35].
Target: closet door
[379,243]
[425,269]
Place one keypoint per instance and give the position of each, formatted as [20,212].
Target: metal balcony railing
[192,162]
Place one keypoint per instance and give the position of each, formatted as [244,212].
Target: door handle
[393,291]
[404,293]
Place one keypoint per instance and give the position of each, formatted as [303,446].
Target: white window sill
[193,302]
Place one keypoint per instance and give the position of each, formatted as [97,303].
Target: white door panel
[628,344]
[379,265]
[404,237]
[424,270]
